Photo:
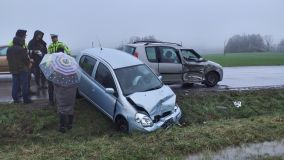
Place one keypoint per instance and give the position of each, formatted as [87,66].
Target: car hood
[155,102]
[214,64]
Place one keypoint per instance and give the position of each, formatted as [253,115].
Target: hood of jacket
[18,41]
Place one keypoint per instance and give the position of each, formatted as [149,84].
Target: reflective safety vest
[53,48]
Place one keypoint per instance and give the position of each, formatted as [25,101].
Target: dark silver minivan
[175,63]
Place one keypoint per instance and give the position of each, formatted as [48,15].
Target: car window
[129,49]
[104,77]
[151,54]
[87,64]
[3,51]
[168,55]
[189,55]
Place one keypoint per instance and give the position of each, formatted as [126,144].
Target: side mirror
[110,90]
[160,77]
[201,59]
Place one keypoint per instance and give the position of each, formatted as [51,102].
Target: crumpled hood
[155,102]
[214,64]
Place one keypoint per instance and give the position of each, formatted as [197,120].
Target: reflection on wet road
[234,78]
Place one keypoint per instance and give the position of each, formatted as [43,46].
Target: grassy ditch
[210,122]
[247,59]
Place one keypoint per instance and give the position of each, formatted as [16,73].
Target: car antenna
[100,44]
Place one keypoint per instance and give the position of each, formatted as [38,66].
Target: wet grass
[247,59]
[210,122]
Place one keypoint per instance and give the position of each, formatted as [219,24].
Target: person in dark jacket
[37,47]
[19,63]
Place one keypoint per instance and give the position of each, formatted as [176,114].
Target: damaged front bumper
[164,122]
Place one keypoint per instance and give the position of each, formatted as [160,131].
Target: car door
[104,79]
[170,66]
[87,65]
[193,67]
[3,60]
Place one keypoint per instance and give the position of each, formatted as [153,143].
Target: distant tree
[245,43]
[268,42]
[280,47]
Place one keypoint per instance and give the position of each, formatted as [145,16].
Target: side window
[169,55]
[129,49]
[3,51]
[104,77]
[87,64]
[188,55]
[151,54]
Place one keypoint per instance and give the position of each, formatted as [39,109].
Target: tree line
[252,43]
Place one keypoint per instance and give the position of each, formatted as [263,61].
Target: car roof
[154,44]
[115,58]
[3,46]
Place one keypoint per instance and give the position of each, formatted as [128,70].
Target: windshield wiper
[154,88]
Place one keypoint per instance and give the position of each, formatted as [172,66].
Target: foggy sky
[203,24]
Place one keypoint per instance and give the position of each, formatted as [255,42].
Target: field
[247,59]
[210,122]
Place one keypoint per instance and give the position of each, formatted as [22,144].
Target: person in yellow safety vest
[55,46]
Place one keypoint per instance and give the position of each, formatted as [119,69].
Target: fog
[201,24]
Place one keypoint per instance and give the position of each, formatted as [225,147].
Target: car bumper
[164,122]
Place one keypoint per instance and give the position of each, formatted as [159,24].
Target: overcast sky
[203,24]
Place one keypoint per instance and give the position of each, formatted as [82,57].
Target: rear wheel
[211,79]
[121,124]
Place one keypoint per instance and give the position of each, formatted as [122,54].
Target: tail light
[136,54]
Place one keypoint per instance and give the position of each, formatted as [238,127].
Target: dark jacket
[34,45]
[17,56]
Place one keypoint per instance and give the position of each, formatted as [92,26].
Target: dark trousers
[39,77]
[50,91]
[20,80]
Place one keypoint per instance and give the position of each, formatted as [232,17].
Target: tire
[211,79]
[121,124]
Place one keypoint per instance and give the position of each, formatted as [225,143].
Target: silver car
[126,90]
[175,63]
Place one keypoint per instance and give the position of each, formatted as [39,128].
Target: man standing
[19,63]
[37,47]
[55,47]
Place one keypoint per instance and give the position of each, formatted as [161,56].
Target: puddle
[246,151]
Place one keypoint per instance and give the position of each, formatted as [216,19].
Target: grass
[247,59]
[210,122]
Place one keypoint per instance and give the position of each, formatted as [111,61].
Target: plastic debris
[237,104]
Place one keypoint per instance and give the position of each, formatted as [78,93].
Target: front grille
[158,117]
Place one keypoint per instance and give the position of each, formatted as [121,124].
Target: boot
[70,122]
[62,123]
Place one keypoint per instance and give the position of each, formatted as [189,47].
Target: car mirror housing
[110,90]
[160,77]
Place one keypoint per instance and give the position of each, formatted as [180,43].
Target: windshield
[129,49]
[137,79]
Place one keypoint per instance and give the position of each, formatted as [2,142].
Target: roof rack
[148,42]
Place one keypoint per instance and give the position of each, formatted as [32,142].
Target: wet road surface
[234,78]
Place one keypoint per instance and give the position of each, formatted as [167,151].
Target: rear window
[129,49]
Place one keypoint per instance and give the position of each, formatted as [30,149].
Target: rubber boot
[62,123]
[70,122]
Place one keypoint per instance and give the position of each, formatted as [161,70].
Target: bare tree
[268,42]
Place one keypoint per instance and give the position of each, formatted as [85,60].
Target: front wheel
[121,124]
[211,79]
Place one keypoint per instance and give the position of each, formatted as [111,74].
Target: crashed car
[126,90]
[175,63]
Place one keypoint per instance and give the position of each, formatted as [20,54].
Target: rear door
[87,65]
[170,66]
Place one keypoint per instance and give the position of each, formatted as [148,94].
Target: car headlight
[143,119]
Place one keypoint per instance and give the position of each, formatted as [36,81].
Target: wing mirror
[160,77]
[110,90]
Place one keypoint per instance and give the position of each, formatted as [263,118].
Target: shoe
[28,101]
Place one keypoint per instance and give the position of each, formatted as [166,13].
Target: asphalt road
[234,78]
